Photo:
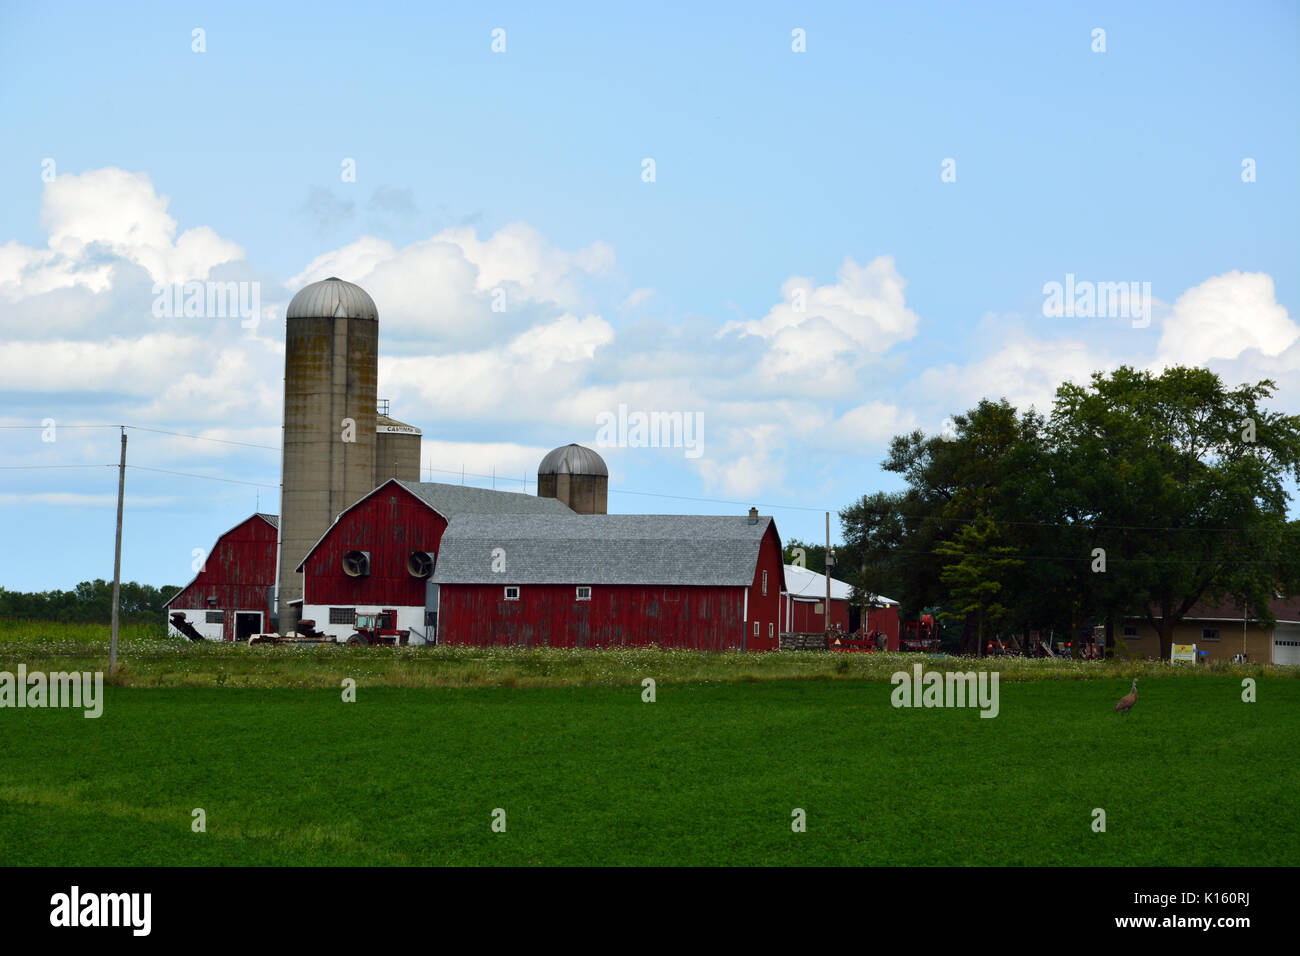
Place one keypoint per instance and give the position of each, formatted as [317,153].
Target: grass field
[587,773]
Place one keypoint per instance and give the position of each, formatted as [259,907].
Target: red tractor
[377,628]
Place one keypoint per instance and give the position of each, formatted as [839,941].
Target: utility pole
[830,563]
[117,557]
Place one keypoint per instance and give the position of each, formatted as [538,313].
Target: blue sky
[775,171]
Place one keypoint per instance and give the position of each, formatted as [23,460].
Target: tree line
[1139,496]
[89,602]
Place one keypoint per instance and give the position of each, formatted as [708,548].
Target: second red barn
[686,581]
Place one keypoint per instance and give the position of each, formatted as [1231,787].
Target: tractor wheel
[356,640]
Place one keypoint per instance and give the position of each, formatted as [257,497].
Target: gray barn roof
[673,550]
[452,500]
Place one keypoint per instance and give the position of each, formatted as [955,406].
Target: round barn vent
[356,564]
[419,564]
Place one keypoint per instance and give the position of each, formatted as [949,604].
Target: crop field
[562,748]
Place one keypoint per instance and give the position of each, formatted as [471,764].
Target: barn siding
[804,620]
[389,524]
[701,618]
[239,572]
[885,620]
[766,609]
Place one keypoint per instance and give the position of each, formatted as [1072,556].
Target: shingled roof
[672,550]
[452,500]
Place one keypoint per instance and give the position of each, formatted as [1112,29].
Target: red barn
[803,607]
[685,581]
[230,598]
[380,552]
[803,604]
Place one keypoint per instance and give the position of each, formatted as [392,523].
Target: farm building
[803,607]
[379,553]
[231,596]
[1222,632]
[687,581]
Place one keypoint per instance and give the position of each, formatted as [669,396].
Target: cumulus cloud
[100,219]
[457,288]
[1223,317]
[826,333]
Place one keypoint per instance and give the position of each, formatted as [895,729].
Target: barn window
[770,628]
[671,594]
[216,617]
[1130,630]
[1209,633]
[584,594]
[818,609]
[512,593]
[764,582]
[756,629]
[343,615]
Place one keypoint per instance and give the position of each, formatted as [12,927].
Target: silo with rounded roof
[576,476]
[331,368]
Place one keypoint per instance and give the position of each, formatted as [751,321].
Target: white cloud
[1223,317]
[109,212]
[824,334]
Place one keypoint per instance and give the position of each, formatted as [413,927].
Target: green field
[708,774]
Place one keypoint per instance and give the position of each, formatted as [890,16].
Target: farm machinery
[378,628]
[369,628]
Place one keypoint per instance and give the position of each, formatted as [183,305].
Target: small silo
[397,448]
[331,366]
[577,476]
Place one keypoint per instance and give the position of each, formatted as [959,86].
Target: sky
[808,227]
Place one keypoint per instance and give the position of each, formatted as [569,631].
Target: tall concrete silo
[331,366]
[577,476]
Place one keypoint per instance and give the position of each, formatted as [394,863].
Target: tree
[1180,481]
[979,576]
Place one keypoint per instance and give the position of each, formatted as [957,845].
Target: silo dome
[332,298]
[573,460]
[577,476]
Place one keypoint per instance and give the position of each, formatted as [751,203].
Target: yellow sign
[1182,652]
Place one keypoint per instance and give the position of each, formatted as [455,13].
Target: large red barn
[230,598]
[687,581]
[379,553]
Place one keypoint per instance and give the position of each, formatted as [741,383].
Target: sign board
[1182,652]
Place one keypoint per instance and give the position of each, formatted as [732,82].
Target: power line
[222,441]
[187,474]
[30,467]
[157,431]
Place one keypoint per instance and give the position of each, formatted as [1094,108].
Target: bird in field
[1125,703]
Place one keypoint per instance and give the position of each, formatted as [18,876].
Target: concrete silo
[397,448]
[577,476]
[331,365]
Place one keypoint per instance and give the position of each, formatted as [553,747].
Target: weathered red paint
[765,605]
[705,618]
[389,524]
[884,620]
[711,618]
[239,573]
[804,617]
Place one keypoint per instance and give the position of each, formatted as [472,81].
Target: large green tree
[1181,482]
